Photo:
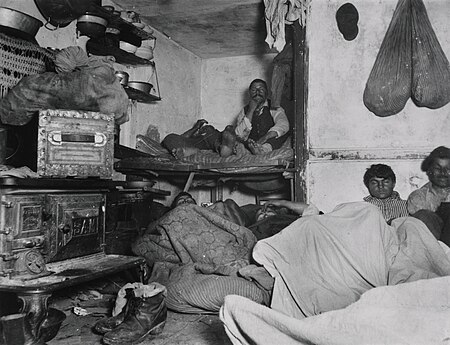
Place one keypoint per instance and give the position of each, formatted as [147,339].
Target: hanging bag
[389,85]
[431,71]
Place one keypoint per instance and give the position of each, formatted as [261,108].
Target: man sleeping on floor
[202,256]
[198,252]
[211,248]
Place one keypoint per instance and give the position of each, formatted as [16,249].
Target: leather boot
[147,315]
[107,324]
[16,330]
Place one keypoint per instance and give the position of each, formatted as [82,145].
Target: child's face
[380,187]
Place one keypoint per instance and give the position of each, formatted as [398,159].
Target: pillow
[150,146]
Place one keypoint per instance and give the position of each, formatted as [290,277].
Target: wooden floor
[180,329]
[98,299]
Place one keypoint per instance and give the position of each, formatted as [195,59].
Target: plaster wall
[224,91]
[224,86]
[178,74]
[344,137]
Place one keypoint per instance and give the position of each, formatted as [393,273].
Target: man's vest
[261,125]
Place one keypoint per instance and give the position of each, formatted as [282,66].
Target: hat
[347,21]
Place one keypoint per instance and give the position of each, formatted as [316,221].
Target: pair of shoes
[147,315]
[144,313]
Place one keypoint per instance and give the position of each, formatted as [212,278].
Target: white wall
[224,91]
[344,137]
[224,86]
[179,78]
[178,73]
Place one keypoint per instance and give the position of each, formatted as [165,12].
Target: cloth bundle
[82,84]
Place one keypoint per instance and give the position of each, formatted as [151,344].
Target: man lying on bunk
[260,127]
[201,137]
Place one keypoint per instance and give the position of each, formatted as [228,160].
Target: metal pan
[18,23]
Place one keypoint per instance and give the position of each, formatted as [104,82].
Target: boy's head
[380,180]
[183,198]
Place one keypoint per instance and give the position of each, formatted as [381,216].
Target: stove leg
[35,306]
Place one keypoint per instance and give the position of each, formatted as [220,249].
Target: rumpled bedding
[414,313]
[284,155]
[196,252]
[195,234]
[242,156]
[327,262]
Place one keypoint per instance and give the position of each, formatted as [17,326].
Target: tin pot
[141,86]
[91,25]
[61,13]
[19,23]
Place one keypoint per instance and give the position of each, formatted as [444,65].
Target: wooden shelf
[102,46]
[126,28]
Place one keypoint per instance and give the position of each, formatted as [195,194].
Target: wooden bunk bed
[270,167]
[205,165]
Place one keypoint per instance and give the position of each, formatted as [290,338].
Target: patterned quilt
[196,253]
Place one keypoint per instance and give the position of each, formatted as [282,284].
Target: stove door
[22,221]
[75,225]
[21,227]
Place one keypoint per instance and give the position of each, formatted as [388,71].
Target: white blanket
[324,263]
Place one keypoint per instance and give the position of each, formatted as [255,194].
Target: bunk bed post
[300,91]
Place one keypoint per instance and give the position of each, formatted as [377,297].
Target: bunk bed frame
[214,174]
[150,166]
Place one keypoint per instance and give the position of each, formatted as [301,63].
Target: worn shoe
[147,315]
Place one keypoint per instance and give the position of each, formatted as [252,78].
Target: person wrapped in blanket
[342,278]
[431,202]
[263,220]
[259,126]
[202,253]
[201,137]
[186,247]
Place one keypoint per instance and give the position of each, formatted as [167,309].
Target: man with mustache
[260,127]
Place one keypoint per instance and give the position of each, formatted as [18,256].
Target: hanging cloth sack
[431,70]
[389,85]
